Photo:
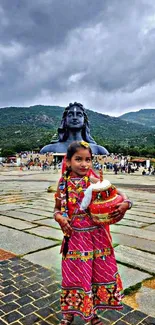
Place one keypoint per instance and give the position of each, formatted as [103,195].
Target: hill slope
[26,128]
[145,117]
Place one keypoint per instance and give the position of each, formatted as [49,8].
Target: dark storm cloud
[98,52]
[45,23]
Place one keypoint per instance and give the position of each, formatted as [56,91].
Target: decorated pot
[101,200]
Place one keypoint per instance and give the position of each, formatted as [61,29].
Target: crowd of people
[124,166]
[148,171]
[114,163]
[128,167]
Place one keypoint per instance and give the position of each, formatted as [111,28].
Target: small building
[140,162]
[58,157]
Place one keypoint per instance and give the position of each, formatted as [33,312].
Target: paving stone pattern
[28,230]
[22,243]
[132,256]
[30,295]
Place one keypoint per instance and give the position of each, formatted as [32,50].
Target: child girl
[90,279]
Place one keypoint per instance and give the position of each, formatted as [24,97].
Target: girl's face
[80,162]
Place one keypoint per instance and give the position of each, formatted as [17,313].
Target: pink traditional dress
[90,279]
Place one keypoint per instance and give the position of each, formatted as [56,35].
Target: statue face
[75,118]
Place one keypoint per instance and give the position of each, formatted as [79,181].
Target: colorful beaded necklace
[71,192]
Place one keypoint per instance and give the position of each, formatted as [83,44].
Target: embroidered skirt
[90,278]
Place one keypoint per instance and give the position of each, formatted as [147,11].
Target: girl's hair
[74,146]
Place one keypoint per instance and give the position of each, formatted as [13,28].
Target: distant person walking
[115,167]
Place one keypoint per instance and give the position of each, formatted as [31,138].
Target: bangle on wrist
[130,204]
[56,213]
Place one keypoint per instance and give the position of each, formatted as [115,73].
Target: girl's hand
[65,226]
[120,210]
[96,220]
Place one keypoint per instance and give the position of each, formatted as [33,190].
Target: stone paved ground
[30,295]
[30,282]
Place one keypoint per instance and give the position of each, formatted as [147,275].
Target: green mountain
[144,117]
[27,128]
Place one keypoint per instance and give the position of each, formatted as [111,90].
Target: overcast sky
[97,52]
